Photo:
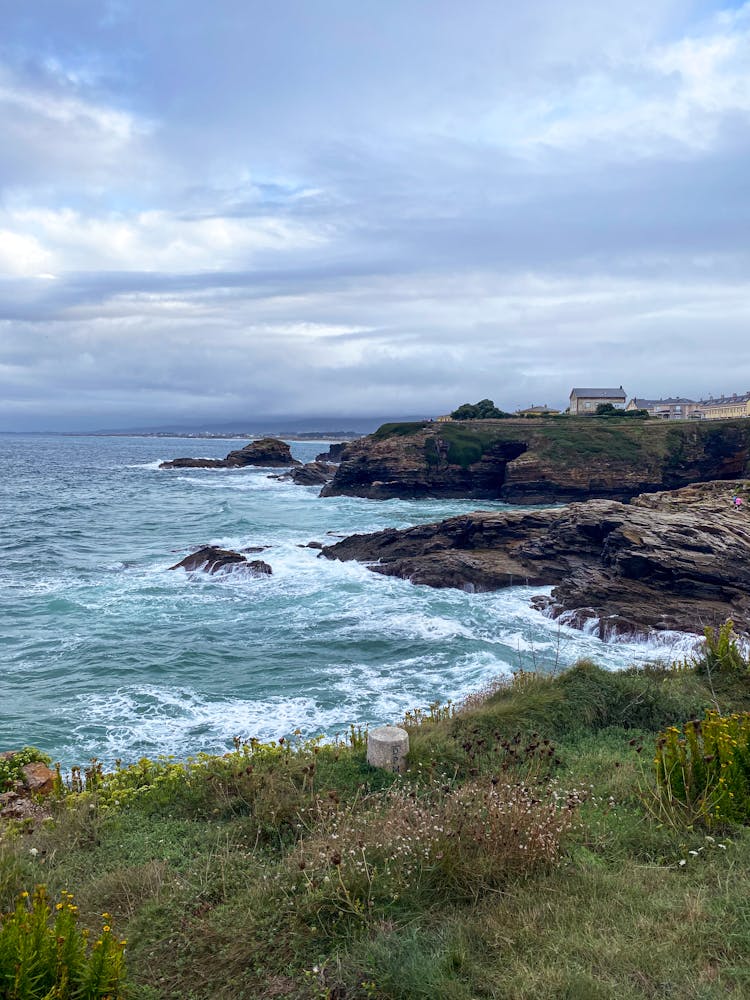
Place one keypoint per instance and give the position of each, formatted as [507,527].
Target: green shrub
[45,956]
[703,770]
[720,652]
[485,409]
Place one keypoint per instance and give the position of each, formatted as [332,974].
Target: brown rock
[38,778]
[212,559]
[541,461]
[675,560]
[265,453]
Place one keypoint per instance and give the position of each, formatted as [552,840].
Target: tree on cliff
[608,410]
[485,409]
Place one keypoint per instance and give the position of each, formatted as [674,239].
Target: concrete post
[387,747]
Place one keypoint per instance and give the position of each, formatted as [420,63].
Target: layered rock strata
[671,560]
[556,460]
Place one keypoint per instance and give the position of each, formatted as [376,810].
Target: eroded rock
[671,560]
[267,453]
[211,559]
[558,460]
[310,474]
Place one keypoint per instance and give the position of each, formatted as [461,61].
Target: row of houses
[586,400]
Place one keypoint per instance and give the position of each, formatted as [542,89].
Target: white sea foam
[200,658]
[153,466]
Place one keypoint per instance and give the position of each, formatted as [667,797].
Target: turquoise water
[105,652]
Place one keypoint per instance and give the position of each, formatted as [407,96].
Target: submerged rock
[267,453]
[672,560]
[212,559]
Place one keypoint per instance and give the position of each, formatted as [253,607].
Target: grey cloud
[437,256]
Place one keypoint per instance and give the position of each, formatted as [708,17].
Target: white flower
[33,851]
[682,862]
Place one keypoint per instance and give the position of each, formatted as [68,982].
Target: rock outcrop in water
[556,460]
[311,474]
[268,453]
[212,559]
[675,560]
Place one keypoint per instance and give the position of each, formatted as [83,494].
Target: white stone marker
[387,747]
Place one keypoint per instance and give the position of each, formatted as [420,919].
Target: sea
[106,652]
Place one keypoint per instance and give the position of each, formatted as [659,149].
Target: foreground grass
[240,877]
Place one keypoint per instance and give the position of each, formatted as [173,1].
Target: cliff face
[677,560]
[541,461]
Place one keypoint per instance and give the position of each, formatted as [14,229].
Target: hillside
[541,461]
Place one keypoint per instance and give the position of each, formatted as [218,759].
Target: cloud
[341,209]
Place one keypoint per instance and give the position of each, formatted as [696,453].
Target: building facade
[585,401]
[724,407]
[671,408]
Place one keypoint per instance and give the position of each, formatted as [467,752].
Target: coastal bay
[106,653]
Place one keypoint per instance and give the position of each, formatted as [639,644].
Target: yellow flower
[106,928]
[24,895]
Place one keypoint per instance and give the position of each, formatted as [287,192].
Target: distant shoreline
[207,435]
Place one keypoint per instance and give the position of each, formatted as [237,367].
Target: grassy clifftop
[568,437]
[524,855]
[555,459]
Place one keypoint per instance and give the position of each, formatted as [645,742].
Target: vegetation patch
[526,853]
[44,955]
[399,430]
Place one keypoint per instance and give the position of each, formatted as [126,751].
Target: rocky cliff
[541,461]
[675,560]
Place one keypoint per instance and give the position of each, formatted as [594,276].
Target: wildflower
[33,851]
[682,862]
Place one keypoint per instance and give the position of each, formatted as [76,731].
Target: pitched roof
[599,393]
[669,401]
[742,397]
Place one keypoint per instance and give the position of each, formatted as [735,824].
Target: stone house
[587,400]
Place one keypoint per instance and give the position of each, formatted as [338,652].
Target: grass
[518,858]
[653,444]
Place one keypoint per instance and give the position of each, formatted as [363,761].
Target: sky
[210,212]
